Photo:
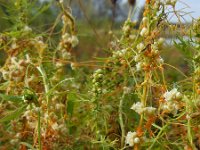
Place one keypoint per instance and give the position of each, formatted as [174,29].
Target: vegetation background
[90,119]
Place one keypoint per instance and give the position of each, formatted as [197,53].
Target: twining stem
[121,122]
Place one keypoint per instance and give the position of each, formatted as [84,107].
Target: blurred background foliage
[96,23]
[94,20]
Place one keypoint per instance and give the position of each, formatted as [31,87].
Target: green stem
[45,80]
[158,136]
[121,120]
[189,131]
[39,132]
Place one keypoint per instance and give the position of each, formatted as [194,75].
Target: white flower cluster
[120,53]
[171,104]
[157,45]
[173,94]
[140,47]
[139,108]
[139,66]
[66,42]
[132,138]
[15,70]
[127,26]
[72,39]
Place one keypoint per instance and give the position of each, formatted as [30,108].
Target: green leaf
[70,103]
[13,115]
[11,98]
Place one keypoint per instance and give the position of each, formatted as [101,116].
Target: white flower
[132,37]
[73,66]
[149,110]
[27,29]
[124,51]
[130,138]
[136,140]
[178,95]
[137,58]
[65,37]
[59,106]
[18,135]
[119,53]
[14,141]
[170,95]
[171,106]
[144,32]
[41,44]
[127,90]
[140,46]
[5,74]
[74,40]
[66,55]
[139,66]
[32,124]
[37,109]
[138,107]
[160,60]
[14,45]
[154,46]
[126,28]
